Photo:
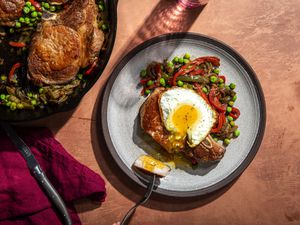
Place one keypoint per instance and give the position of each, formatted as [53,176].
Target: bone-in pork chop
[10,10]
[151,123]
[65,43]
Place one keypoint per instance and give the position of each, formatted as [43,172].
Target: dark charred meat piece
[64,43]
[151,123]
[10,10]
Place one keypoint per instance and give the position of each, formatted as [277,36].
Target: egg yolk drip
[149,163]
[183,118]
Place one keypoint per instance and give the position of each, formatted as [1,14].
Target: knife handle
[52,193]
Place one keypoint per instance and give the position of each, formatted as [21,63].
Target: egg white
[173,98]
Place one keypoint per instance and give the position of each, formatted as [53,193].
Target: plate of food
[190,102]
[52,53]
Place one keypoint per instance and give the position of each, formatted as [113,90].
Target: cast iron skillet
[27,115]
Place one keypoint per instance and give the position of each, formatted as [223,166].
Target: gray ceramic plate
[121,102]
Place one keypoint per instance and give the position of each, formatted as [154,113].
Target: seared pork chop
[65,43]
[10,10]
[151,123]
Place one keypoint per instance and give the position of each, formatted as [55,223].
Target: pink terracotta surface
[267,34]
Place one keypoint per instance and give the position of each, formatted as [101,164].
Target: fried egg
[187,116]
[152,165]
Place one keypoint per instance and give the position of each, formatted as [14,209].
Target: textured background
[267,34]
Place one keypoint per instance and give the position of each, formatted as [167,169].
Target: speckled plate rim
[198,37]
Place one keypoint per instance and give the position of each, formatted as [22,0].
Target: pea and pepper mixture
[202,75]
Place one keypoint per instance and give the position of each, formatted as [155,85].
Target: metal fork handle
[141,202]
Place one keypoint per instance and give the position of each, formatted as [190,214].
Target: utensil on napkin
[38,172]
[23,200]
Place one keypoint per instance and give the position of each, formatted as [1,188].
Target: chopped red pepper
[17,44]
[36,5]
[200,92]
[144,81]
[214,60]
[221,121]
[223,78]
[214,100]
[197,72]
[13,70]
[89,71]
[235,113]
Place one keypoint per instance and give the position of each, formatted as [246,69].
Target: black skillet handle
[52,194]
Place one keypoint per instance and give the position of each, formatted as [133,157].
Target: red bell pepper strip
[17,44]
[214,60]
[197,72]
[13,70]
[144,81]
[36,5]
[235,113]
[221,121]
[200,92]
[214,101]
[89,71]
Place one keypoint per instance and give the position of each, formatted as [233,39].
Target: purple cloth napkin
[22,200]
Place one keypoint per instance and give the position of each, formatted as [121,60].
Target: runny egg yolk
[183,118]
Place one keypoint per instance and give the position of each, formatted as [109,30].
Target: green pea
[162,81]
[185,86]
[150,82]
[11,30]
[221,81]
[216,139]
[27,20]
[180,60]
[101,7]
[176,59]
[213,79]
[232,86]
[41,90]
[216,71]
[230,118]
[32,19]
[236,133]
[204,89]
[13,106]
[8,104]
[20,106]
[187,56]
[227,87]
[226,141]
[229,109]
[143,73]
[52,8]
[180,83]
[2,96]
[232,123]
[170,64]
[147,92]
[33,102]
[234,98]
[80,76]
[26,10]
[30,24]
[43,3]
[28,4]
[34,14]
[222,85]
[21,20]
[32,8]
[186,61]
[40,14]
[104,27]
[231,103]
[18,24]
[7,97]
[46,5]
[29,94]
[3,77]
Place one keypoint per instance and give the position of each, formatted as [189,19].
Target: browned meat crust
[151,123]
[65,43]
[9,11]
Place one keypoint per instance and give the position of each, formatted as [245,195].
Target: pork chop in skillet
[10,10]
[64,43]
[151,123]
